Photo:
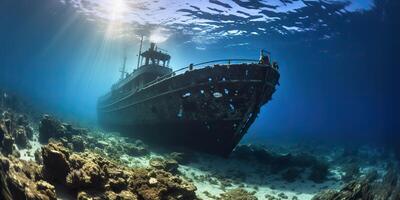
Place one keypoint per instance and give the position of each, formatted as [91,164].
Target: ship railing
[199,66]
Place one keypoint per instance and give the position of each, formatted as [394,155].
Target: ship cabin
[156,65]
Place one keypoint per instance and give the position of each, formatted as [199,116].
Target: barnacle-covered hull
[208,109]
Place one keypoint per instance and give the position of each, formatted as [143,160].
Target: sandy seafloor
[205,171]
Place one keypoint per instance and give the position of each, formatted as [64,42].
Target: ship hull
[209,109]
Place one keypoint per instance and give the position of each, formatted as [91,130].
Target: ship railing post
[140,52]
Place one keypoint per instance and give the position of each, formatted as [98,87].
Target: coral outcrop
[182,158]
[89,175]
[88,172]
[23,180]
[169,165]
[366,189]
[237,194]
[14,129]
[6,139]
[52,128]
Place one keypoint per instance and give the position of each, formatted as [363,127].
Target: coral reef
[51,128]
[366,188]
[237,194]
[92,165]
[90,176]
[7,140]
[351,172]
[89,171]
[78,143]
[14,129]
[23,180]
[168,165]
[182,158]
[68,159]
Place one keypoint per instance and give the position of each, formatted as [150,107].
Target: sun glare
[117,9]
[159,35]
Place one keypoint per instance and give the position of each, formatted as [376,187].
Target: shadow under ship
[206,107]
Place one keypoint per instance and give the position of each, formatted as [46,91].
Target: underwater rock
[83,195]
[16,153]
[251,152]
[283,196]
[367,188]
[47,189]
[167,186]
[153,181]
[351,172]
[4,191]
[22,120]
[279,163]
[168,165]
[390,178]
[325,195]
[89,175]
[388,188]
[126,195]
[319,172]
[8,124]
[13,131]
[157,163]
[113,151]
[237,194]
[7,144]
[38,156]
[23,180]
[371,176]
[123,195]
[87,171]
[352,191]
[101,144]
[134,150]
[50,128]
[55,162]
[3,132]
[182,158]
[118,184]
[29,132]
[291,174]
[21,139]
[74,130]
[78,143]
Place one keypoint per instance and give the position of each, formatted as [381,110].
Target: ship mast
[123,70]
[140,52]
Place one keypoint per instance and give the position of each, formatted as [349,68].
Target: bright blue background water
[339,79]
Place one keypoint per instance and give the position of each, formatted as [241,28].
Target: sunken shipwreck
[207,106]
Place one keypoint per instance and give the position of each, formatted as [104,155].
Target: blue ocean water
[337,57]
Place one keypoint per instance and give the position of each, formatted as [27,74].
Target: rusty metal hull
[208,109]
